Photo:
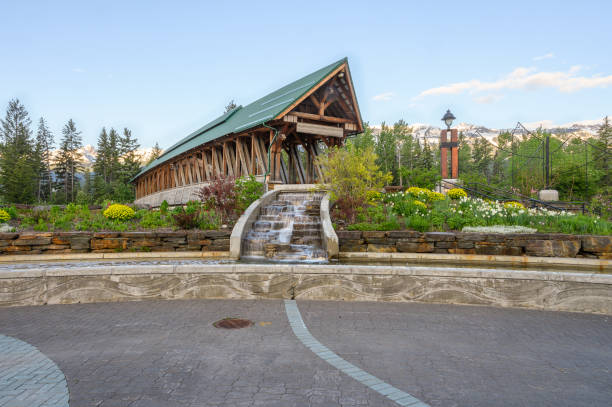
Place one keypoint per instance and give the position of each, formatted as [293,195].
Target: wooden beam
[349,81]
[313,116]
[206,165]
[242,157]
[188,167]
[253,167]
[314,100]
[259,152]
[319,129]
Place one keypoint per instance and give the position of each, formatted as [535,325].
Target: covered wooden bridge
[275,138]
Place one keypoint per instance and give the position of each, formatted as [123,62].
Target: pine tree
[101,164]
[603,144]
[44,145]
[114,154]
[69,162]
[17,158]
[130,165]
[230,106]
[155,153]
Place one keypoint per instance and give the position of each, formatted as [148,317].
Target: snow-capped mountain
[89,154]
[582,129]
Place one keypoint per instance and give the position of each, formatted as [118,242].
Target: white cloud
[545,56]
[78,70]
[528,79]
[487,99]
[383,96]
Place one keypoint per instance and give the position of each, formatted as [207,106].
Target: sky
[164,69]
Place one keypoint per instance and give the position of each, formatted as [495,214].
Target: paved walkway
[28,378]
[166,353]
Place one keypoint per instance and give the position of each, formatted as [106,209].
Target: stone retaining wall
[537,244]
[558,291]
[105,242]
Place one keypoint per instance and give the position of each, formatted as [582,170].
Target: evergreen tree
[155,153]
[68,164]
[427,157]
[114,166]
[44,145]
[363,140]
[130,165]
[17,156]
[230,106]
[603,144]
[481,156]
[386,150]
[101,165]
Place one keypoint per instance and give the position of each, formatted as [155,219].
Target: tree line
[579,168]
[31,173]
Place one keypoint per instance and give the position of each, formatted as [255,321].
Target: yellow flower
[417,192]
[4,216]
[119,212]
[513,205]
[456,193]
[420,205]
[435,196]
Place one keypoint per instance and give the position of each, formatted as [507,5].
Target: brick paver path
[167,353]
[28,378]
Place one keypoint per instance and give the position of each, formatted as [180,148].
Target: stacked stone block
[537,244]
[107,242]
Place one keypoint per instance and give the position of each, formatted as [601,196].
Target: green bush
[41,226]
[153,219]
[248,190]
[456,193]
[12,211]
[163,208]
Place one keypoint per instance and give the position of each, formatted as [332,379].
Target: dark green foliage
[18,159]
[115,165]
[68,163]
[164,208]
[155,153]
[248,190]
[44,146]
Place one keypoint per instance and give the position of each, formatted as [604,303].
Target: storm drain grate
[232,323]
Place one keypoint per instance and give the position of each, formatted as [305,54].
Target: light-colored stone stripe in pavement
[28,378]
[303,334]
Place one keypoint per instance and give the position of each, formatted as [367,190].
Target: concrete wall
[580,292]
[104,242]
[536,244]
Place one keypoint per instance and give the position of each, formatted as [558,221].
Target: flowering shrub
[220,194]
[418,193]
[434,196]
[119,212]
[513,205]
[4,216]
[456,193]
[373,196]
[421,205]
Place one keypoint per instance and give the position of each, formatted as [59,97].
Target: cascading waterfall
[288,229]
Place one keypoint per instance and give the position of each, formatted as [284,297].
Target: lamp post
[448,119]
[445,145]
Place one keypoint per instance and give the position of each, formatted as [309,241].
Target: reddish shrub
[220,195]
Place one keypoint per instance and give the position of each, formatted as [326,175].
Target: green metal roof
[244,118]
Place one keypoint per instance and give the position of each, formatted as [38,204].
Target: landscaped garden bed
[424,210]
